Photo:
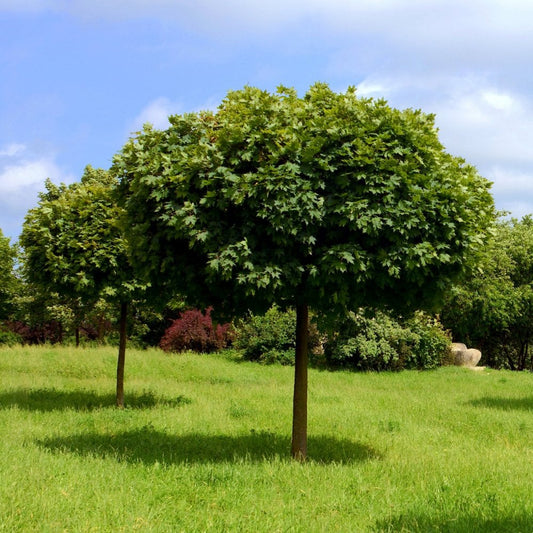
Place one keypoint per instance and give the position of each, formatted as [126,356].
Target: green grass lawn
[204,443]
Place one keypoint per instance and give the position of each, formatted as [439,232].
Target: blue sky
[77,77]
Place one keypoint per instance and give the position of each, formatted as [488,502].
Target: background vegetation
[492,308]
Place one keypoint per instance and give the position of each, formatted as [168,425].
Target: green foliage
[8,337]
[492,308]
[8,281]
[378,341]
[72,242]
[330,200]
[269,338]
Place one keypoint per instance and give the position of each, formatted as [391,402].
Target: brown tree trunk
[77,333]
[100,330]
[121,354]
[299,410]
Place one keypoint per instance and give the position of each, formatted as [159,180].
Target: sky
[79,77]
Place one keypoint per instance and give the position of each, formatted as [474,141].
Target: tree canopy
[332,197]
[327,200]
[72,242]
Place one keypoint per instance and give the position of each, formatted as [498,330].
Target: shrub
[36,333]
[378,341]
[194,331]
[9,338]
[271,338]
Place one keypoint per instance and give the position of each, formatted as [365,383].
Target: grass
[203,445]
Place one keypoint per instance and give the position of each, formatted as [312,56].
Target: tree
[329,201]
[8,280]
[74,247]
[492,308]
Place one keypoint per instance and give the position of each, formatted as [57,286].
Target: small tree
[8,280]
[328,201]
[74,247]
[492,308]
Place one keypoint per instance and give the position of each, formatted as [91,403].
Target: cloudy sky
[77,77]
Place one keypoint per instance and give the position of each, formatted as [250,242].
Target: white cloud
[487,123]
[17,177]
[479,119]
[499,100]
[490,124]
[509,182]
[374,88]
[22,176]
[12,149]
[156,113]
[435,19]
[24,5]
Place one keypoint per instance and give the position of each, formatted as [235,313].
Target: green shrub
[378,341]
[271,338]
[9,338]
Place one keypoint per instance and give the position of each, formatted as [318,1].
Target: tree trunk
[100,330]
[522,356]
[121,354]
[77,333]
[299,410]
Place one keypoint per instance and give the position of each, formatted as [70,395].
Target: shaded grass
[506,404]
[80,400]
[149,446]
[203,445]
[468,523]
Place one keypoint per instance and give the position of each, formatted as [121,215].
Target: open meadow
[204,445]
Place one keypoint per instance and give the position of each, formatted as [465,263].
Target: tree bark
[77,334]
[121,354]
[299,410]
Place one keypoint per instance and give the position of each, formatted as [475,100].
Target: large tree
[492,307]
[73,247]
[329,201]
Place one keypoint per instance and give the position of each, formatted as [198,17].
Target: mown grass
[203,445]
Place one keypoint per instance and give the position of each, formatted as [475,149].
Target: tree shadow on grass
[456,524]
[150,446]
[506,404]
[47,400]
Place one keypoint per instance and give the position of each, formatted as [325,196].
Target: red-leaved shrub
[36,334]
[194,331]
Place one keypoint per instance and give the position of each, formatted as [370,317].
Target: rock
[457,350]
[472,357]
[465,357]
[458,346]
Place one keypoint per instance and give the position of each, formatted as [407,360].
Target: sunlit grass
[203,444]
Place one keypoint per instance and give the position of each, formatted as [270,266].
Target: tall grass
[203,445]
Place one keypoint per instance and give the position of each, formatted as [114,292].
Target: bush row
[363,340]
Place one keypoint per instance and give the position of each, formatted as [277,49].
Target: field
[203,445]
